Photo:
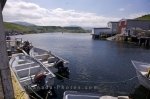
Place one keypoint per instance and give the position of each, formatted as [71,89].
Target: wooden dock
[19,92]
[144,41]
[140,41]
[102,36]
[5,75]
[1,91]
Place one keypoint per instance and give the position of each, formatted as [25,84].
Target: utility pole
[5,74]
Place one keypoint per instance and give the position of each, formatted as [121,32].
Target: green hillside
[74,29]
[43,29]
[16,28]
[144,17]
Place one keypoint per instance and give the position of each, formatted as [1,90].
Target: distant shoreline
[49,33]
[15,29]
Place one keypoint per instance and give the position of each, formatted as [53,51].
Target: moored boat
[142,71]
[31,73]
[81,95]
[53,62]
[13,46]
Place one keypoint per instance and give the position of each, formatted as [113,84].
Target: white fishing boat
[31,73]
[13,46]
[81,95]
[142,70]
[44,55]
[51,61]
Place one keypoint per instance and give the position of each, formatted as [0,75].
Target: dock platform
[19,92]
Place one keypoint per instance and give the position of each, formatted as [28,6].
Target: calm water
[92,62]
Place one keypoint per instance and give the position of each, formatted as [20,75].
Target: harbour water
[95,65]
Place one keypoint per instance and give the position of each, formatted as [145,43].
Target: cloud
[122,9]
[21,10]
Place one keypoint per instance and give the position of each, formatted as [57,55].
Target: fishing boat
[82,95]
[17,45]
[51,61]
[13,45]
[142,71]
[31,73]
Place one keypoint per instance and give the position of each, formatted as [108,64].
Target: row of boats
[35,70]
[33,67]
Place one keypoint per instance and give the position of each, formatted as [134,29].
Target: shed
[127,26]
[98,31]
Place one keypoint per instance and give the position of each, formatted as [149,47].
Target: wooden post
[5,73]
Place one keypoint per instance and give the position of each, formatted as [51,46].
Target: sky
[85,13]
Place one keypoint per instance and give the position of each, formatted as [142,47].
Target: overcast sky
[87,13]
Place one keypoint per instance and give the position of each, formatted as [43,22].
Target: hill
[24,23]
[13,28]
[74,29]
[44,29]
[144,17]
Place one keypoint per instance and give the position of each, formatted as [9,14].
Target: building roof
[102,28]
[113,22]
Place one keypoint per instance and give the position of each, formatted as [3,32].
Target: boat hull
[141,71]
[53,62]
[26,68]
[143,80]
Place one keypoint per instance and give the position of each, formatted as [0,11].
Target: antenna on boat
[5,73]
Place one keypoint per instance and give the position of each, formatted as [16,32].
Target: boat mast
[5,74]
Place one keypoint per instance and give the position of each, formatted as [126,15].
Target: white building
[98,31]
[113,26]
[105,31]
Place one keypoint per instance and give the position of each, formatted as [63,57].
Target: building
[113,26]
[128,26]
[104,32]
[98,33]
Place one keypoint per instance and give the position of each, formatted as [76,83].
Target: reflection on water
[93,61]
